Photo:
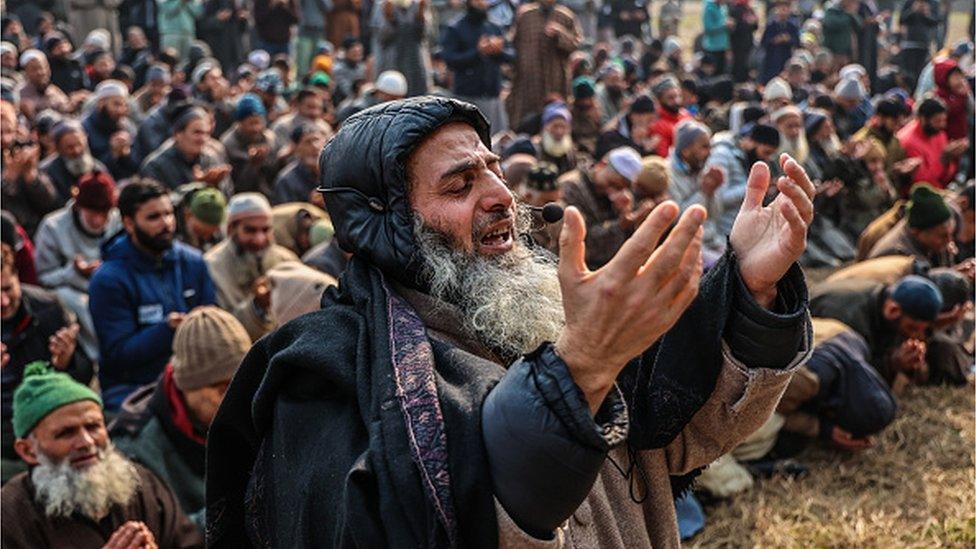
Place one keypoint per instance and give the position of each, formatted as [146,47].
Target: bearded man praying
[80,491]
[461,388]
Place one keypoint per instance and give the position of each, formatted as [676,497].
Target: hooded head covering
[364,173]
[956,103]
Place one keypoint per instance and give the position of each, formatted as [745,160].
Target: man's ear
[891,309]
[25,449]
[129,224]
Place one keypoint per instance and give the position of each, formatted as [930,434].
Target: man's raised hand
[769,239]
[615,313]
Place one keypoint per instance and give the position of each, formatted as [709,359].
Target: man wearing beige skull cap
[163,426]
[238,265]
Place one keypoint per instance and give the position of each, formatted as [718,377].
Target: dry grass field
[914,488]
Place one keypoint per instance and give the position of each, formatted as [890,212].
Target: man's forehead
[71,414]
[454,135]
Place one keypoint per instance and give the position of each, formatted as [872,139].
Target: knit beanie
[583,87]
[953,285]
[926,208]
[764,134]
[777,88]
[42,391]
[249,105]
[209,206]
[208,346]
[918,297]
[244,205]
[653,178]
[519,145]
[686,133]
[96,191]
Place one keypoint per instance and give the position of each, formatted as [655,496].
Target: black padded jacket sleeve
[762,338]
[544,446]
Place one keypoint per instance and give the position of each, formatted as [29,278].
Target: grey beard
[510,303]
[831,145]
[63,490]
[81,165]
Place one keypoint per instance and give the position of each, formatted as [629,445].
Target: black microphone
[551,212]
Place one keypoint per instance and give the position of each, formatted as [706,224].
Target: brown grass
[914,488]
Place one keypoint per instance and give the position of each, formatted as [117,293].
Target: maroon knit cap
[96,191]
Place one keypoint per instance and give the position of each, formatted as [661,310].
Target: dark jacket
[294,184]
[777,54]
[171,168]
[326,257]
[273,22]
[130,296]
[26,337]
[153,131]
[154,428]
[26,525]
[100,128]
[859,304]
[30,201]
[474,74]
[851,394]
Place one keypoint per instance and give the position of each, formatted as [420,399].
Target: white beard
[554,148]
[831,145]
[81,165]
[63,490]
[798,148]
[510,303]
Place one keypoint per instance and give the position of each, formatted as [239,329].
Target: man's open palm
[769,239]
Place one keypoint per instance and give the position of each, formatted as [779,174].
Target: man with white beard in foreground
[80,492]
[460,388]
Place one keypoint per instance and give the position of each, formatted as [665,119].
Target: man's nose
[496,196]
[85,440]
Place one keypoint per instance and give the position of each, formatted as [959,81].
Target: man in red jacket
[670,112]
[925,138]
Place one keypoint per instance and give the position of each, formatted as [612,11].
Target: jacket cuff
[555,383]
[764,338]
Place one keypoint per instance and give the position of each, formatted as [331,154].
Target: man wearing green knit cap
[203,210]
[926,232]
[79,491]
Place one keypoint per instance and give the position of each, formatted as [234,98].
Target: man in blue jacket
[145,286]
[475,48]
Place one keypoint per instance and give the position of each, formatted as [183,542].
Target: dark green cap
[209,206]
[926,208]
[43,391]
